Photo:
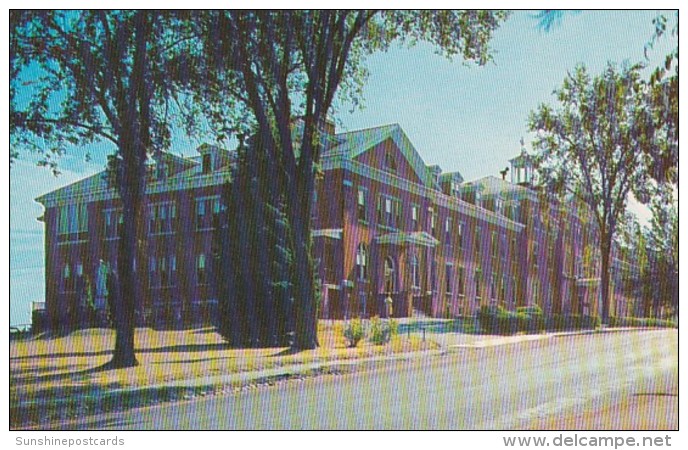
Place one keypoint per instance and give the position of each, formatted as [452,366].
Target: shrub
[640,322]
[498,320]
[562,322]
[393,327]
[381,331]
[354,332]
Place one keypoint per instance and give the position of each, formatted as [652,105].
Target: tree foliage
[663,101]
[276,67]
[79,77]
[596,145]
[253,261]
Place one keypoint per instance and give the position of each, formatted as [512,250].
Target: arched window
[362,262]
[415,272]
[389,275]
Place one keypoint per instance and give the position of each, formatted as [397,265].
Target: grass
[53,378]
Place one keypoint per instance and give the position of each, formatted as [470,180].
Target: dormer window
[207,163]
[499,205]
[390,163]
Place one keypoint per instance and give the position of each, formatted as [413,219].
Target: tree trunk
[606,256]
[124,305]
[304,295]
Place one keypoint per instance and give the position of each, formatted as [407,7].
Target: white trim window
[113,220]
[162,271]
[449,279]
[415,272]
[448,225]
[201,271]
[207,212]
[72,222]
[162,217]
[361,262]
[362,206]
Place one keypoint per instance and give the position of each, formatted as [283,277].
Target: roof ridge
[359,130]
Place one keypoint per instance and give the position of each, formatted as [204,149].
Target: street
[516,386]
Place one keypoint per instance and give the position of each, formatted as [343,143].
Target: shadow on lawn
[166,349]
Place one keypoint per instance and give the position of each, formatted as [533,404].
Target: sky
[465,118]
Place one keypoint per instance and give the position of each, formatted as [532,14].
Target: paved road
[510,386]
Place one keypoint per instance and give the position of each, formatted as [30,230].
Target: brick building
[385,225]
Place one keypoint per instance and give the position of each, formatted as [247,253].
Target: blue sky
[463,118]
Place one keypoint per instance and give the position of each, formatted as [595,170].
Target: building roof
[523,159]
[493,186]
[355,143]
[183,175]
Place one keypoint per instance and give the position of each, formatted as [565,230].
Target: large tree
[79,77]
[595,145]
[280,66]
[253,261]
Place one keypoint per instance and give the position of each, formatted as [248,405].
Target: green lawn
[59,370]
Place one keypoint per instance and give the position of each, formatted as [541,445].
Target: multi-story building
[385,226]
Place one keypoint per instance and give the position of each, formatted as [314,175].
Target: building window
[460,236]
[433,275]
[390,283]
[493,243]
[72,222]
[114,220]
[476,241]
[503,246]
[462,281]
[448,230]
[390,163]
[513,249]
[201,272]
[389,211]
[362,205]
[415,272]
[68,280]
[207,212]
[493,287]
[478,283]
[502,289]
[166,267]
[415,216]
[433,223]
[162,217]
[448,278]
[152,269]
[514,289]
[362,262]
[535,255]
[207,163]
[499,205]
